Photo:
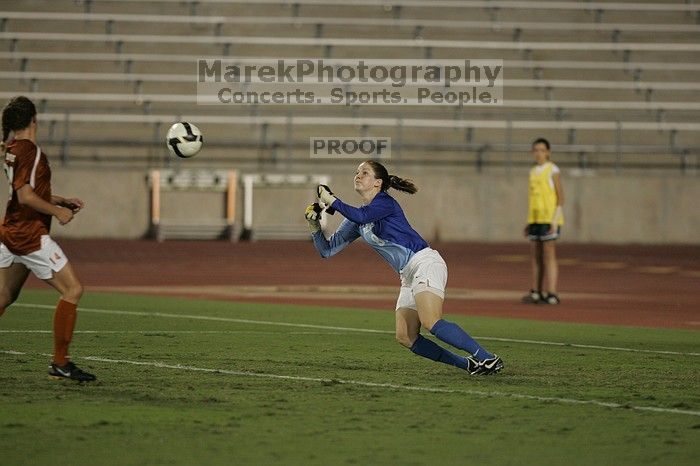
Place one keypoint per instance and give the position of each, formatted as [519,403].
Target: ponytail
[401,184]
[391,181]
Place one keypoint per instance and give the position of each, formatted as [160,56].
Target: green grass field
[206,382]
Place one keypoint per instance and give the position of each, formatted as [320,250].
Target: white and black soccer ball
[184,140]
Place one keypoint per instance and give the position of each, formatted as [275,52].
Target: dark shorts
[540,232]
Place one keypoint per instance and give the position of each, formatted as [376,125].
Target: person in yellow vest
[544,221]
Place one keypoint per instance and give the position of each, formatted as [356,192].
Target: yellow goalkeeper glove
[313,216]
[326,196]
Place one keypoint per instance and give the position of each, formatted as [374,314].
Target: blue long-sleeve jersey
[381,223]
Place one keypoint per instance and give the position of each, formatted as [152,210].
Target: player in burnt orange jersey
[26,244]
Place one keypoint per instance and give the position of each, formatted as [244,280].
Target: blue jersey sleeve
[346,233]
[380,207]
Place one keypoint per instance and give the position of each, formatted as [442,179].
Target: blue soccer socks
[431,350]
[454,335]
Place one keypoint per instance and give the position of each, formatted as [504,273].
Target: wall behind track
[453,204]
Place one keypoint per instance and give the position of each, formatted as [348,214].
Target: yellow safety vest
[543,196]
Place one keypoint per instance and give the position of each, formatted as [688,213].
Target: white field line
[390,386]
[579,345]
[209,318]
[352,329]
[157,332]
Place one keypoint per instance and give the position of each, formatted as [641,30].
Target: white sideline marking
[256,332]
[350,329]
[579,345]
[360,383]
[212,318]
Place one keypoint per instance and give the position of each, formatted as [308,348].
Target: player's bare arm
[559,189]
[73,203]
[556,178]
[28,197]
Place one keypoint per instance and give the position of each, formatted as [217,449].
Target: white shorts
[426,271]
[43,263]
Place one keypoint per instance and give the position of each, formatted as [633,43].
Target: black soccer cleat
[472,366]
[533,297]
[550,299]
[69,371]
[490,366]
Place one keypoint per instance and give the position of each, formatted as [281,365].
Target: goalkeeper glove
[313,216]
[326,196]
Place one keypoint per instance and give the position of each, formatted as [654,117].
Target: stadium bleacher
[623,93]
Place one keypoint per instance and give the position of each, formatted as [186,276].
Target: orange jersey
[23,226]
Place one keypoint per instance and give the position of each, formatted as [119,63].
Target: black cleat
[533,297]
[69,371]
[550,299]
[472,366]
[490,366]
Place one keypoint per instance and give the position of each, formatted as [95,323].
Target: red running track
[651,286]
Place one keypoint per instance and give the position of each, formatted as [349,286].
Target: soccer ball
[184,140]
